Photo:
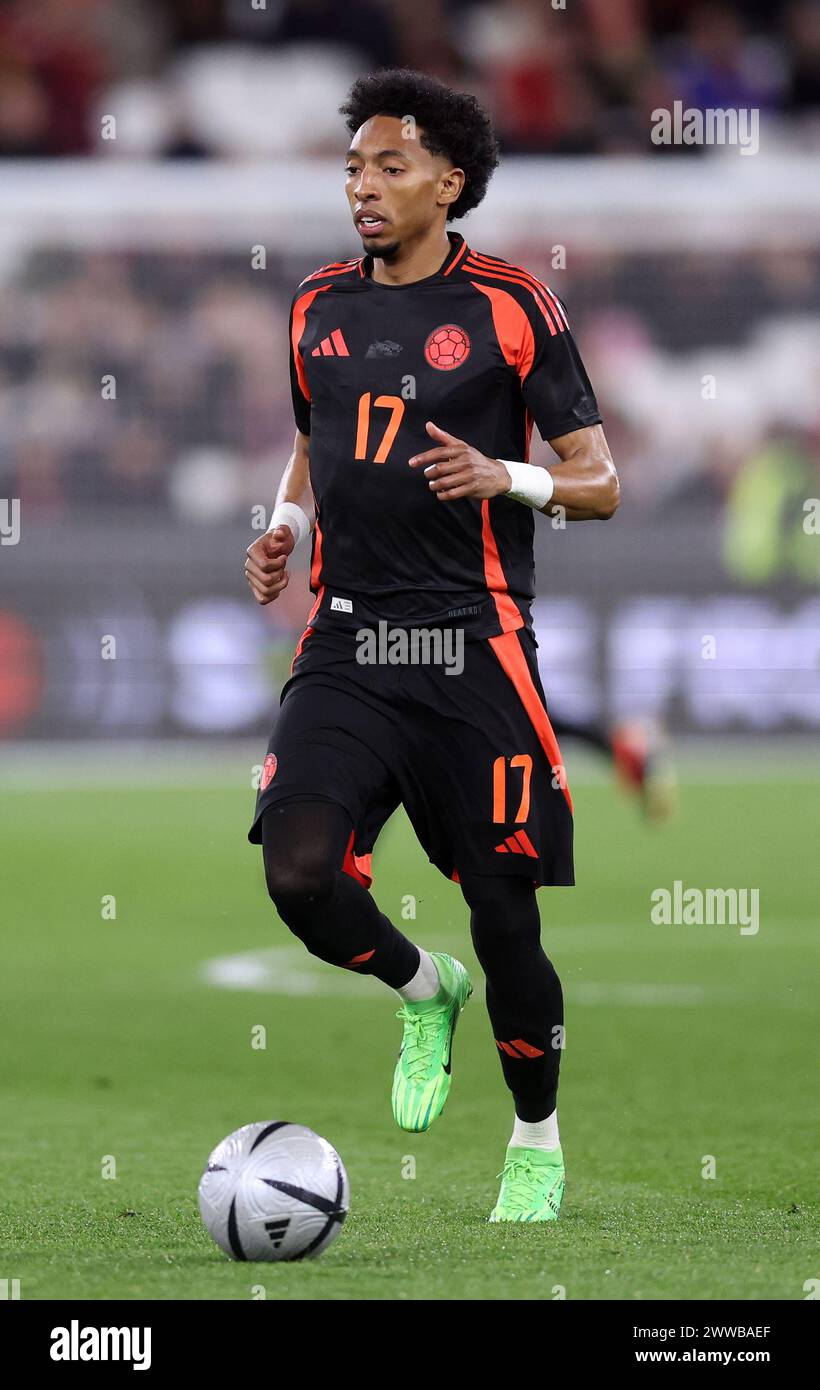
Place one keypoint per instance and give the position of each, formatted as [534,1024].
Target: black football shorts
[470,755]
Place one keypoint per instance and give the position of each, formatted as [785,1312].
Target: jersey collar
[458,250]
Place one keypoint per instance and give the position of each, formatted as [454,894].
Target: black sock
[524,997]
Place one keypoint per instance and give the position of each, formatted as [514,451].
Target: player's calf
[334,916]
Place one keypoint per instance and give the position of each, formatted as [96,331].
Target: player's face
[393,184]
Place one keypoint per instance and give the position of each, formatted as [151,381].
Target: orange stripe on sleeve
[512,328]
[542,291]
[300,308]
[553,321]
[515,338]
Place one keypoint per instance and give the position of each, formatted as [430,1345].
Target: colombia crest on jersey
[481,348]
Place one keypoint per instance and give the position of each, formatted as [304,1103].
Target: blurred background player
[638,751]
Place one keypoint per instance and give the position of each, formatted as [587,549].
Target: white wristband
[531,485]
[290,514]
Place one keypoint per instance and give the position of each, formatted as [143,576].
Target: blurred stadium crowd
[196,343]
[201,423]
[563,76]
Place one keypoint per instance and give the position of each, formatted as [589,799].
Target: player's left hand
[455,469]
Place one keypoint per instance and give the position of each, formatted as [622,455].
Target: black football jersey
[481,348]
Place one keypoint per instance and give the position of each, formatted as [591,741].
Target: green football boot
[422,1078]
[532,1185]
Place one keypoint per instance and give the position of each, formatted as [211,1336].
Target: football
[274,1191]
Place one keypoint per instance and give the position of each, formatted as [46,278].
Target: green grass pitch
[682,1042]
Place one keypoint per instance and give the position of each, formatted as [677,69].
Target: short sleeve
[298,381]
[556,388]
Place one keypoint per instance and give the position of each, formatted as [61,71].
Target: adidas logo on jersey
[332,346]
[517,843]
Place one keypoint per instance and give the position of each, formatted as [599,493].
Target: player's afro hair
[453,124]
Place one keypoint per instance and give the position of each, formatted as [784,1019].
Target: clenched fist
[265,565]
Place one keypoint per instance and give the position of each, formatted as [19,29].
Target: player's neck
[415,262]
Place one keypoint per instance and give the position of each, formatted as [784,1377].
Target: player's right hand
[265,564]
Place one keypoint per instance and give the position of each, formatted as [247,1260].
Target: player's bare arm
[266,559]
[586,484]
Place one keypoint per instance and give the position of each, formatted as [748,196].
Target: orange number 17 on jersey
[395,404]
[524,761]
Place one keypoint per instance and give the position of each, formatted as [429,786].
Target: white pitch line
[291,971]
[282,970]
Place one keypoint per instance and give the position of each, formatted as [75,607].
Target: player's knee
[299,879]
[504,920]
[501,895]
